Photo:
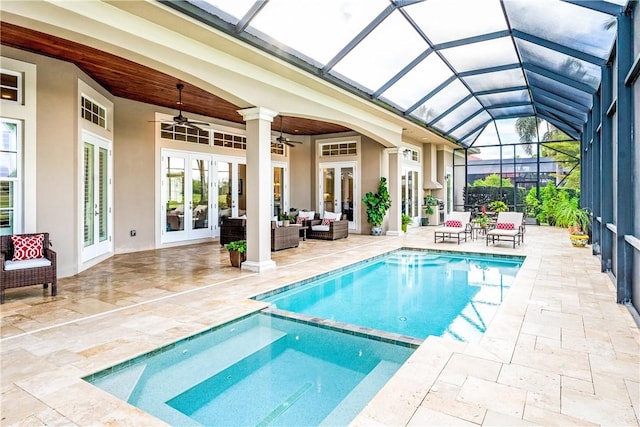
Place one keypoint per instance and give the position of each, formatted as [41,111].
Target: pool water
[261,370]
[408,292]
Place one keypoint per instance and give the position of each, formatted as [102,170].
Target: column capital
[260,113]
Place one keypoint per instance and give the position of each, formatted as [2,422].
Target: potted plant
[498,206]
[284,217]
[429,202]
[376,205]
[482,220]
[576,219]
[406,220]
[237,252]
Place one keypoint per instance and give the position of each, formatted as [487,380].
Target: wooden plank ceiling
[127,79]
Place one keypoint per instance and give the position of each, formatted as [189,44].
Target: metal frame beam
[450,109]
[470,40]
[462,138]
[568,119]
[559,47]
[536,69]
[574,133]
[599,6]
[552,95]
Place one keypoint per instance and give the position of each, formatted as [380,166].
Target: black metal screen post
[624,116]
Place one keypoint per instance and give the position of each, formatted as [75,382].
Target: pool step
[195,368]
[361,394]
[186,371]
[122,385]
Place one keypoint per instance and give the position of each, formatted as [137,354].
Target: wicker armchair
[233,229]
[284,237]
[336,229]
[27,276]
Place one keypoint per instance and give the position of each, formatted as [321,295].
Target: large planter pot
[404,228]
[579,240]
[237,258]
[376,230]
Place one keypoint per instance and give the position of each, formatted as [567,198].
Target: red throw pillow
[453,223]
[505,226]
[299,220]
[327,221]
[27,247]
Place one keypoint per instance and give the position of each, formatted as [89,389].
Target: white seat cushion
[29,263]
[499,232]
[320,227]
[449,229]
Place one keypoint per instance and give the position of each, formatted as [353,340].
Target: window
[409,154]
[228,140]
[10,86]
[93,112]
[338,149]
[277,148]
[9,176]
[184,133]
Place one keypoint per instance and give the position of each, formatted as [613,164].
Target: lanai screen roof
[453,65]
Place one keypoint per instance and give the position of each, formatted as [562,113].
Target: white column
[259,188]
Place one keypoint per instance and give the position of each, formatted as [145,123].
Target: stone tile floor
[559,351]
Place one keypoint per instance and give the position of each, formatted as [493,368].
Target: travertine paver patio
[559,351]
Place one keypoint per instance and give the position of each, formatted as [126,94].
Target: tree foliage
[492,180]
[556,145]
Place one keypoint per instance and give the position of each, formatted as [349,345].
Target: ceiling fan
[180,119]
[282,140]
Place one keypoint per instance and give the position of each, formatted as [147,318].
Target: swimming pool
[414,293]
[267,369]
[260,370]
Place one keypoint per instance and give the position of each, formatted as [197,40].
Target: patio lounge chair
[457,226]
[27,261]
[508,227]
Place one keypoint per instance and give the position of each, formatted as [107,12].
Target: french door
[230,178]
[186,196]
[97,170]
[410,193]
[279,179]
[337,190]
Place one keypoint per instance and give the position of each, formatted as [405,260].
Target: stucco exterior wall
[56,154]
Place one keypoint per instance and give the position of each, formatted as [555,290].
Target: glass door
[410,194]
[230,178]
[278,177]
[186,190]
[337,189]
[97,218]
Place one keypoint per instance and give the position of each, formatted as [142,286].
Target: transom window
[409,154]
[10,86]
[184,133]
[331,149]
[93,112]
[229,140]
[277,148]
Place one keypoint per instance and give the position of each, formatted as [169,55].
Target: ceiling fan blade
[198,123]
[288,143]
[192,126]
